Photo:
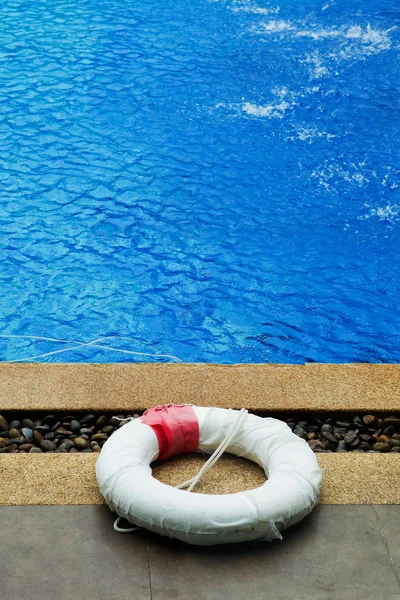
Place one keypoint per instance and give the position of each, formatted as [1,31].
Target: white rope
[218,452]
[122,530]
[92,344]
[228,439]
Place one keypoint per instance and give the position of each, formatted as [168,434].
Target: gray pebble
[75,426]
[87,420]
[381,447]
[364,446]
[350,437]
[327,427]
[345,424]
[108,429]
[48,446]
[316,445]
[27,432]
[42,428]
[65,446]
[86,430]
[394,443]
[331,437]
[102,422]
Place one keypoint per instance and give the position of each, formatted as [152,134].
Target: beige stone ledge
[351,478]
[264,387]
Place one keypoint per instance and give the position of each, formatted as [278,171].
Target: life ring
[125,477]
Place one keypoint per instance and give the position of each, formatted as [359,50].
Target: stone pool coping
[60,479]
[260,387]
[349,478]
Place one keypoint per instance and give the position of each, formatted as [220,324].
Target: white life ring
[125,477]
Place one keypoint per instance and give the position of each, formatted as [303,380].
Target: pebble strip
[58,433]
[88,433]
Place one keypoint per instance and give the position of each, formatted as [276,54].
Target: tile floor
[72,552]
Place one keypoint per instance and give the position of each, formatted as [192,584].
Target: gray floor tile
[336,553]
[389,520]
[70,553]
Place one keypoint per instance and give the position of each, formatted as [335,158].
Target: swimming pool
[217,180]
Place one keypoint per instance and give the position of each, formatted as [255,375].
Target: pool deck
[68,552]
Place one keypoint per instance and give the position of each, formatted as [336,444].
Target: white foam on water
[251,7]
[386,183]
[389,213]
[350,42]
[268,110]
[273,27]
[330,175]
[316,66]
[286,100]
[372,39]
[310,135]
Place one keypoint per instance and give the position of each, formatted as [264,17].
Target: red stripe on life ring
[176,428]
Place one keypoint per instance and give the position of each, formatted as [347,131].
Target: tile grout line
[386,544]
[148,568]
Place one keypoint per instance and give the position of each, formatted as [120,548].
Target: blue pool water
[217,180]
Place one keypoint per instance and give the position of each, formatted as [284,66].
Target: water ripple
[217,181]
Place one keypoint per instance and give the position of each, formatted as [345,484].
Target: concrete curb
[263,387]
[59,479]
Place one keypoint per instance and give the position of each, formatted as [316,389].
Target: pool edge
[137,386]
[59,479]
